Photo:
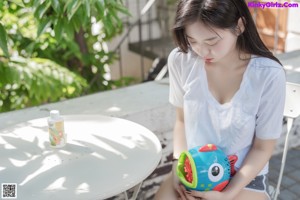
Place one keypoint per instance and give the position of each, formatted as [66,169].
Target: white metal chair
[291,111]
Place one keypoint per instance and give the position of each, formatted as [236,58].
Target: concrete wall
[131,62]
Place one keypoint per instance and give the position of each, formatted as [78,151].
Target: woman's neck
[232,61]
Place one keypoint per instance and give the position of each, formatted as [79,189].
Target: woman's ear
[240,28]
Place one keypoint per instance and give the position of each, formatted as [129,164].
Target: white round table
[103,157]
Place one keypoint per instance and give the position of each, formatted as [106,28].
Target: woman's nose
[204,51]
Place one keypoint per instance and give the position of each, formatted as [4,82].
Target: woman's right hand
[179,188]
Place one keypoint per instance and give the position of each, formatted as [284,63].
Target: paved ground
[290,186]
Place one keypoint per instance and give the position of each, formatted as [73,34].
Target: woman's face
[211,44]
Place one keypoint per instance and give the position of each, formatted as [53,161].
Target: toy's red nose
[221,186]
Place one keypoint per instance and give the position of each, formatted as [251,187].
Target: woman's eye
[212,44]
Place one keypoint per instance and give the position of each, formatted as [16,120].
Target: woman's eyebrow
[208,39]
[189,37]
[212,38]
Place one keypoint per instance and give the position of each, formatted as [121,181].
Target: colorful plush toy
[205,168]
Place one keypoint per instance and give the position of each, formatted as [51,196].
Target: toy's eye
[215,172]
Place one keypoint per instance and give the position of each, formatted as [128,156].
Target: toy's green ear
[181,172]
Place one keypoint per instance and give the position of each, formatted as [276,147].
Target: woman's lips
[208,59]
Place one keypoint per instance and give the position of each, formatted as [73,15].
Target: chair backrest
[292,100]
[291,111]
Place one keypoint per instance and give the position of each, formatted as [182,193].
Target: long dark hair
[220,14]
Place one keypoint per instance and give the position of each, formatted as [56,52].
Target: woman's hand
[179,188]
[207,195]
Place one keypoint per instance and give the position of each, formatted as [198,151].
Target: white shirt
[256,109]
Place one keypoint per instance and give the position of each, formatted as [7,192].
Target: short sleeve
[175,79]
[270,113]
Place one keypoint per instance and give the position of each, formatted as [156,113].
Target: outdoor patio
[147,104]
[146,39]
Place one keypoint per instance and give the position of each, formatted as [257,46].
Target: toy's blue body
[210,168]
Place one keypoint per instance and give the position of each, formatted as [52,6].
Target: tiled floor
[290,186]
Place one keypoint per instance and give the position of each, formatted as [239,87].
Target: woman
[228,90]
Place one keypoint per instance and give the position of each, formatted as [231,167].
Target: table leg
[136,190]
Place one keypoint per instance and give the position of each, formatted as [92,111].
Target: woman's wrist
[228,194]
[231,191]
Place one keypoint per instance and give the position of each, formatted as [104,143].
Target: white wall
[131,62]
[293,28]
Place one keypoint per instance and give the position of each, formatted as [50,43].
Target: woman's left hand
[207,195]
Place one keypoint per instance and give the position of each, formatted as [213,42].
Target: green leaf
[74,48]
[69,29]
[87,8]
[3,41]
[36,3]
[122,9]
[82,18]
[56,6]
[58,29]
[41,10]
[72,6]
[30,48]
[77,22]
[43,25]
[69,4]
[116,18]
[18,2]
[100,8]
[24,43]
[108,26]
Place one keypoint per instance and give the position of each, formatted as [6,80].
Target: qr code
[9,191]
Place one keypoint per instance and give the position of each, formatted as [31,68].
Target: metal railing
[141,12]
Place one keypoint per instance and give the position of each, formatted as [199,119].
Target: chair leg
[289,127]
[135,192]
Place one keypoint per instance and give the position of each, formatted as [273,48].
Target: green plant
[30,82]
[71,35]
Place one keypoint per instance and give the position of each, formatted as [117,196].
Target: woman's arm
[258,156]
[179,140]
[179,145]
